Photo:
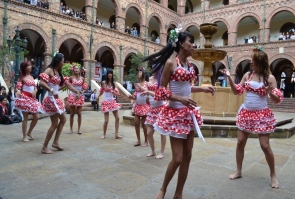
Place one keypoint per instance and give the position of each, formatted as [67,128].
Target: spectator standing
[39,4]
[33,2]
[158,40]
[135,33]
[101,23]
[94,100]
[112,26]
[127,30]
[45,4]
[4,117]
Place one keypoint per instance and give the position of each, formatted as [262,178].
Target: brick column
[266,35]
[165,3]
[232,38]
[180,10]
[88,10]
[119,69]
[86,65]
[207,4]
[47,59]
[142,32]
[54,5]
[120,23]
[163,38]
[232,2]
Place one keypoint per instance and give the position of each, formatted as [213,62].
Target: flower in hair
[174,34]
[55,53]
[258,48]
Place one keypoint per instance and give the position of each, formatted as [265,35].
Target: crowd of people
[66,10]
[133,31]
[163,104]
[287,35]
[39,3]
[252,39]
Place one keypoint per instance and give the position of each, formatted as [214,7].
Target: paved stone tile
[94,168]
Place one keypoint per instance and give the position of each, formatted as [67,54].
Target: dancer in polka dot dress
[109,104]
[152,115]
[51,80]
[140,108]
[26,101]
[74,101]
[254,116]
[181,116]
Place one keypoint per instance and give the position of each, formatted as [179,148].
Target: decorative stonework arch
[159,19]
[276,11]
[30,26]
[191,24]
[241,17]
[172,23]
[130,51]
[115,2]
[282,56]
[75,37]
[239,60]
[139,11]
[111,48]
[221,20]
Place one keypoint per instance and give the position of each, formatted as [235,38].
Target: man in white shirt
[158,40]
[93,100]
[34,2]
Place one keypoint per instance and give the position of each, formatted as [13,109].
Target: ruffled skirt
[141,110]
[75,102]
[53,106]
[177,122]
[109,106]
[153,114]
[28,104]
[256,121]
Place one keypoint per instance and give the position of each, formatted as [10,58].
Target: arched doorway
[105,56]
[133,17]
[281,23]
[72,51]
[106,11]
[241,69]
[248,31]
[154,28]
[284,72]
[217,75]
[220,37]
[196,33]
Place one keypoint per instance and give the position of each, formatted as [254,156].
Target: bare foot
[150,154]
[71,131]
[25,139]
[160,156]
[57,147]
[46,151]
[144,144]
[103,137]
[30,136]
[274,182]
[118,137]
[137,144]
[234,176]
[160,195]
[79,132]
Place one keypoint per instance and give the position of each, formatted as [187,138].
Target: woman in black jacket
[4,117]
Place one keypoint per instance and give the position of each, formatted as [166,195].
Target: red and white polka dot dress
[26,102]
[155,106]
[140,106]
[50,104]
[175,119]
[254,116]
[109,103]
[79,85]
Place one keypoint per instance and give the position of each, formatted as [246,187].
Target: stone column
[207,4]
[266,35]
[119,69]
[142,32]
[54,5]
[47,60]
[120,23]
[231,2]
[181,8]
[163,38]
[165,3]
[88,10]
[232,38]
[86,64]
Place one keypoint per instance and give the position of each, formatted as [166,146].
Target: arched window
[288,27]
[225,38]
[154,35]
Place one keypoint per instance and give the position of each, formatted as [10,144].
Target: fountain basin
[208,54]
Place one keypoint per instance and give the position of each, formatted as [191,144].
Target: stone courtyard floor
[108,169]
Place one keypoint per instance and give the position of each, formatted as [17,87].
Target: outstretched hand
[210,89]
[225,72]
[188,102]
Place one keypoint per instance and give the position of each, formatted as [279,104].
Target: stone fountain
[224,103]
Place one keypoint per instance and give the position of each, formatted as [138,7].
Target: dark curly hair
[54,63]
